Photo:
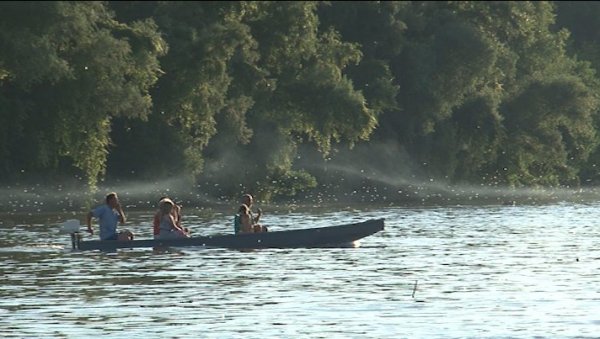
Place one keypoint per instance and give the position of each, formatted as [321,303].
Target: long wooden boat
[313,237]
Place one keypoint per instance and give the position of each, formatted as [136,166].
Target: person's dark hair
[243,208]
[110,196]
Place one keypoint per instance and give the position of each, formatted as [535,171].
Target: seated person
[109,215]
[248,200]
[242,222]
[176,212]
[168,227]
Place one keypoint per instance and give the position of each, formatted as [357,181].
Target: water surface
[445,272]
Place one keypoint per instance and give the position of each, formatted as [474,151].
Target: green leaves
[71,69]
[490,92]
[559,134]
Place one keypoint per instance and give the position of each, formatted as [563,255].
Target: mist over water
[379,174]
[384,174]
[71,197]
[357,187]
[435,191]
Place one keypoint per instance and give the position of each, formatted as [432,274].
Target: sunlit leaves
[559,133]
[473,91]
[75,68]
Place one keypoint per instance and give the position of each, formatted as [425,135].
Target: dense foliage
[279,97]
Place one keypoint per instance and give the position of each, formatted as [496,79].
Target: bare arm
[122,218]
[175,225]
[88,219]
[258,214]
[178,215]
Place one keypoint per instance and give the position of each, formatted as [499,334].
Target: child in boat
[242,222]
[247,200]
[168,226]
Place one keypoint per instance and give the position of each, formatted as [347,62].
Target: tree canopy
[259,95]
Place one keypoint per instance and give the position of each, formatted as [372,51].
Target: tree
[245,82]
[467,68]
[69,69]
[550,132]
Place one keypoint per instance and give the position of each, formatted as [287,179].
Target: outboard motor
[72,227]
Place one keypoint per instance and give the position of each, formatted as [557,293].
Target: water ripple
[452,272]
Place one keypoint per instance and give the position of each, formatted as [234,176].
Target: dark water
[434,272]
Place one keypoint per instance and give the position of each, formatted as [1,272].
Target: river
[434,272]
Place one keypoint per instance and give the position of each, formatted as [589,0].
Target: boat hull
[312,237]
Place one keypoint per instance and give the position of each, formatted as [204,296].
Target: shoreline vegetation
[298,103]
[140,197]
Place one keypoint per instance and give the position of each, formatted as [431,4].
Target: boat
[332,236]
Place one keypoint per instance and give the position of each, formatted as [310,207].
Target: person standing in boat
[168,228]
[176,212]
[109,215]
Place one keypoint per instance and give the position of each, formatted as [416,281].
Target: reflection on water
[489,271]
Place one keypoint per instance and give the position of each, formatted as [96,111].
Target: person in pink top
[168,227]
[176,212]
